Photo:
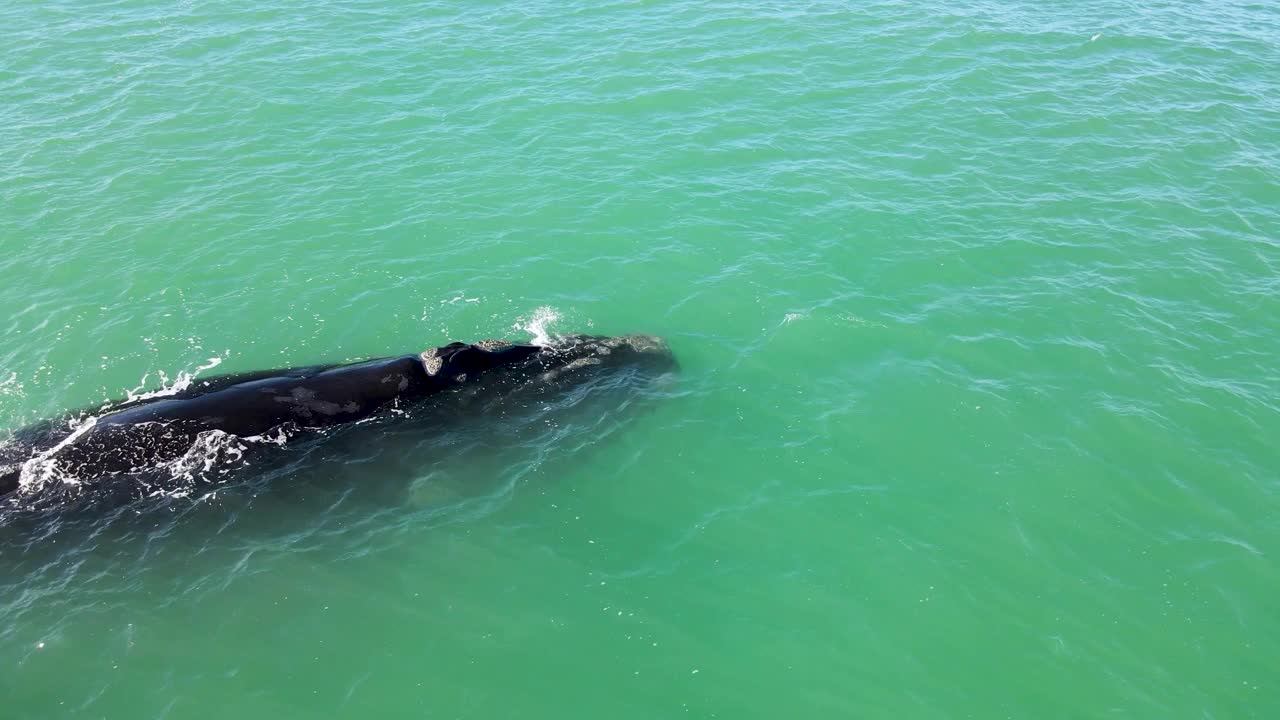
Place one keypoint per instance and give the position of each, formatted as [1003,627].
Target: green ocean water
[977,307]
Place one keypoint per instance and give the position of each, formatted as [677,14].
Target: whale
[153,431]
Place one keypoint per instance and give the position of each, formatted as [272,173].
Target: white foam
[212,447]
[274,436]
[180,383]
[41,467]
[539,325]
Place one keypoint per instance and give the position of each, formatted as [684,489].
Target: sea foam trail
[181,382]
[42,467]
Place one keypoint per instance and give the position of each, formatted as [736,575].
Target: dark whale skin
[142,433]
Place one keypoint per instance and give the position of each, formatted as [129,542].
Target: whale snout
[647,344]
[651,350]
[648,350]
[649,354]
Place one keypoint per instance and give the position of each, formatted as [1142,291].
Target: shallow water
[977,308]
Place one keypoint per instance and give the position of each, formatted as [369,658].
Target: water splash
[43,466]
[181,382]
[213,449]
[539,325]
[10,385]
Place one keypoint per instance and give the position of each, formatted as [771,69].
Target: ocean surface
[977,307]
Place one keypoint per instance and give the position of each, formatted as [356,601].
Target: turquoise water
[977,307]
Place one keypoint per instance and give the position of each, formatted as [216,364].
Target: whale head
[584,355]
[496,372]
[566,357]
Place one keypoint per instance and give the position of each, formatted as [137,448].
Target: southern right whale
[143,434]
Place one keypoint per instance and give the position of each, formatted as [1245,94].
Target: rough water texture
[977,306]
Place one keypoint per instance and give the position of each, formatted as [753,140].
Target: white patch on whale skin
[574,365]
[403,382]
[583,362]
[306,405]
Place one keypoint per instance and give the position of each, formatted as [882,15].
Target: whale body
[134,436]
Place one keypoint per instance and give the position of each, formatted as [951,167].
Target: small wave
[43,466]
[214,453]
[211,448]
[181,382]
[10,385]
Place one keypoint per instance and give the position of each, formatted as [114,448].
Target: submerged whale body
[145,434]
